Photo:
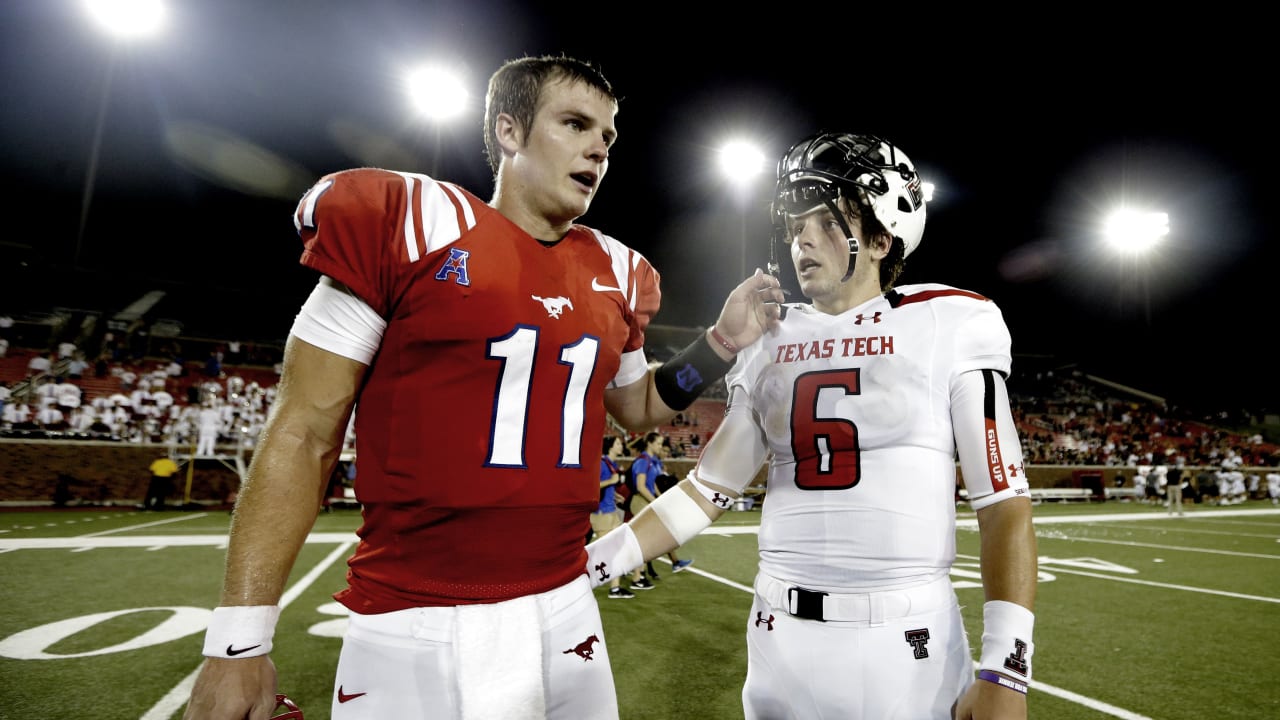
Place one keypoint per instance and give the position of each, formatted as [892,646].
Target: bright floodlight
[437,93]
[741,161]
[127,18]
[927,188]
[1133,231]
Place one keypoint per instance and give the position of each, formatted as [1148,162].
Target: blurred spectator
[208,424]
[162,471]
[1173,489]
[50,419]
[213,364]
[16,416]
[67,395]
[77,366]
[39,364]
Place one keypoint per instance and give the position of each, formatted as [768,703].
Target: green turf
[1161,618]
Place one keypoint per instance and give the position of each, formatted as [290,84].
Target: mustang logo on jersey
[555,306]
[834,347]
[456,265]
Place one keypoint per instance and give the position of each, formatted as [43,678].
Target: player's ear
[509,134]
[880,244]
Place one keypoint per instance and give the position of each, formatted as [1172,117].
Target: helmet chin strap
[853,240]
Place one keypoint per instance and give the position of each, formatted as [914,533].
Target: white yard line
[1167,586]
[129,528]
[173,701]
[1160,546]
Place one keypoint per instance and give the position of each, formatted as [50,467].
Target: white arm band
[715,497]
[241,631]
[987,439]
[1006,639]
[681,515]
[614,555]
[334,319]
[735,453]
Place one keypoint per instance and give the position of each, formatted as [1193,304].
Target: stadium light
[741,162]
[126,19]
[437,92]
[1134,231]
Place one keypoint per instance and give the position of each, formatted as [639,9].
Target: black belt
[806,604]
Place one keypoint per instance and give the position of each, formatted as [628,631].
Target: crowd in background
[152,394]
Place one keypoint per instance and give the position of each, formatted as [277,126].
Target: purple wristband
[1002,681]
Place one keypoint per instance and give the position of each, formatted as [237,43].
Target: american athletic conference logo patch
[456,265]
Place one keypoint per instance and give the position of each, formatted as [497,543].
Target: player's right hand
[239,689]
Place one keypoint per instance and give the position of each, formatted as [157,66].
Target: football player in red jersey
[860,402]
[480,346]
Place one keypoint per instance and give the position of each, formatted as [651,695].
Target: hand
[751,309]
[988,701]
[240,689]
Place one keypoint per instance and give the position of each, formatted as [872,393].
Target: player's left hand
[988,701]
[751,309]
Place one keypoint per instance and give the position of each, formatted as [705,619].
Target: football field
[1139,615]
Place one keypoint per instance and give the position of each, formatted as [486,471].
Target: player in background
[861,400]
[483,344]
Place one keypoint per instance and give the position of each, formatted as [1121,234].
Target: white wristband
[1006,639]
[614,555]
[681,515]
[715,497]
[240,631]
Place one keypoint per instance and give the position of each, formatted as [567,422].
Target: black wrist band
[682,379]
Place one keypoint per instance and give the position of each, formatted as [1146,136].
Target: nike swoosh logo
[343,697]
[595,285]
[232,652]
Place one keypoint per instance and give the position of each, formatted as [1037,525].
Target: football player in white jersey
[861,401]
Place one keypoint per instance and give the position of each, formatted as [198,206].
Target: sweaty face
[819,251]
[565,153]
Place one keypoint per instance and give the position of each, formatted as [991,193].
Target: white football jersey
[856,410]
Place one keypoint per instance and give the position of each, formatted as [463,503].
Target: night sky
[1031,129]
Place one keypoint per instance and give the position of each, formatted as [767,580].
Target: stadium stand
[1082,437]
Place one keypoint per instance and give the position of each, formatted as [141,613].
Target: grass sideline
[1139,615]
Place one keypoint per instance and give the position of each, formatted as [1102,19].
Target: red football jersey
[480,421]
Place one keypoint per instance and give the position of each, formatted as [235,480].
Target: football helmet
[291,709]
[825,166]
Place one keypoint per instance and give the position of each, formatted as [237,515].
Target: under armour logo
[917,639]
[875,318]
[688,378]
[1017,660]
[555,305]
[1014,470]
[761,620]
[455,265]
[721,500]
[604,574]
[584,649]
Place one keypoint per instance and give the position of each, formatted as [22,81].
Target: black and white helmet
[821,168]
